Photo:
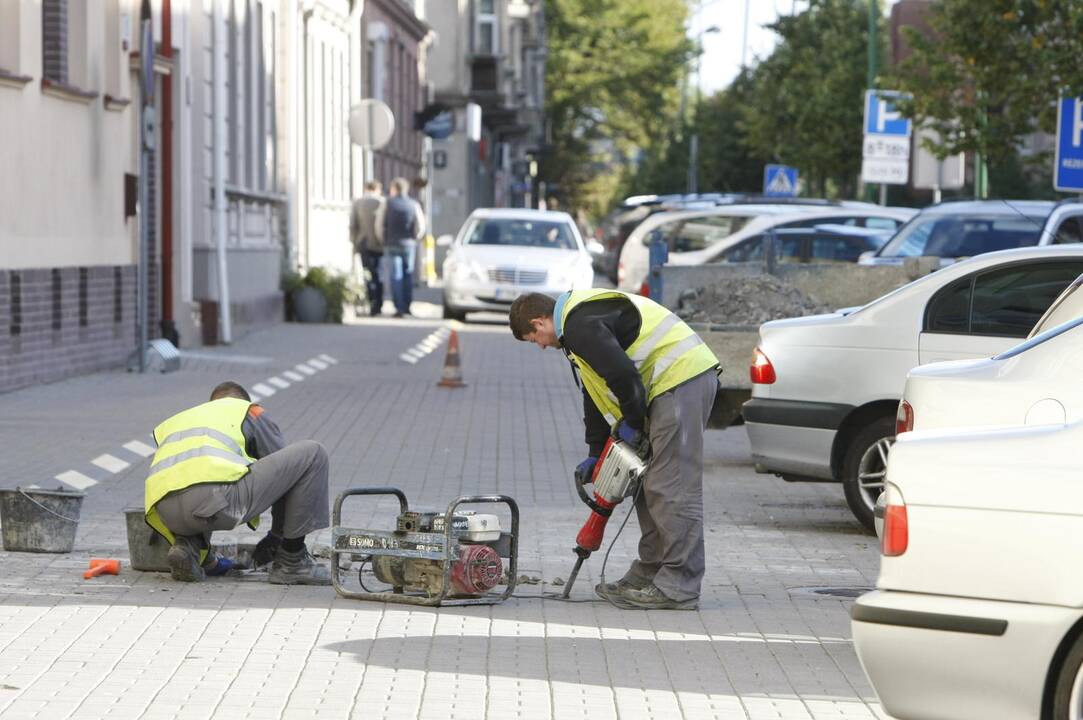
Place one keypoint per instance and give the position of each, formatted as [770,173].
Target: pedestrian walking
[648,379]
[401,222]
[223,463]
[368,244]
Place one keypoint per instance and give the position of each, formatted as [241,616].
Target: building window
[54,40]
[368,88]
[486,40]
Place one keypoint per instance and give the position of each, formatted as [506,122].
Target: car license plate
[505,293]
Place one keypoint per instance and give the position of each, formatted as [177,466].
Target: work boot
[297,568]
[183,561]
[612,591]
[651,598]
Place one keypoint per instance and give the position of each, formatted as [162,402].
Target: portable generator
[616,476]
[455,557]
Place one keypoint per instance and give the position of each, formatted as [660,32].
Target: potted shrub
[318,295]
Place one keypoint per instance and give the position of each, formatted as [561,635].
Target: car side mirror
[595,248]
[444,240]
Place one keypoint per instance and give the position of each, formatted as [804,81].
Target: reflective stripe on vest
[666,353]
[204,444]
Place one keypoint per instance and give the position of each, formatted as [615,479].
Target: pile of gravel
[750,300]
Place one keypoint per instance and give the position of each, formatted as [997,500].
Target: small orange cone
[452,376]
[102,566]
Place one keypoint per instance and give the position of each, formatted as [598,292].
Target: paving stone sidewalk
[764,643]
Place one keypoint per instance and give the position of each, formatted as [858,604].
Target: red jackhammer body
[616,476]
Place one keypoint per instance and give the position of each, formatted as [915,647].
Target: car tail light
[645,290]
[896,535]
[904,419]
[620,274]
[761,372]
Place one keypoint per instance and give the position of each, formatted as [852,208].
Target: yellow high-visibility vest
[666,353]
[203,444]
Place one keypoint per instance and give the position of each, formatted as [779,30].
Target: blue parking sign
[881,117]
[779,181]
[1068,173]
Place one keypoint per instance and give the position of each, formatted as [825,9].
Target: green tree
[805,108]
[992,71]
[725,161]
[611,87]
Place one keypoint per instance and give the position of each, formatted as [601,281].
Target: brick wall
[59,322]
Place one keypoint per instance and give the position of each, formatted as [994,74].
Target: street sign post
[885,156]
[1068,172]
[779,181]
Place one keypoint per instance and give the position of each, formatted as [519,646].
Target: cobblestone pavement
[764,643]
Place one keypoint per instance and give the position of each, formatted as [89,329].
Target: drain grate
[839,592]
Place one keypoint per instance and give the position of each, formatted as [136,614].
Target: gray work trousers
[670,503]
[293,480]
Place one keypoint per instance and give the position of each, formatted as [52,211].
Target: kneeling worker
[648,378]
[223,463]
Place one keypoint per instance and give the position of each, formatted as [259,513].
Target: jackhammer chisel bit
[583,555]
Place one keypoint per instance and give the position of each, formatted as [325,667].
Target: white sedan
[826,388]
[978,612]
[1034,383]
[501,254]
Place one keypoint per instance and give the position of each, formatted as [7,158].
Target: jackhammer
[616,476]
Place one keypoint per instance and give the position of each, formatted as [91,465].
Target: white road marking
[408,358]
[278,382]
[295,376]
[77,480]
[139,448]
[109,463]
[305,369]
[414,352]
[329,359]
[254,397]
[318,364]
[264,390]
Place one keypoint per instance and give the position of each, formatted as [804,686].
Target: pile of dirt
[750,300]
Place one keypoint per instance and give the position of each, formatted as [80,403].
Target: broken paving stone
[557,581]
[529,580]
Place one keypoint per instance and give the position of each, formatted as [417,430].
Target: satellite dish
[371,124]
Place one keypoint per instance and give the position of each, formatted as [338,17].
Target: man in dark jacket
[368,244]
[400,223]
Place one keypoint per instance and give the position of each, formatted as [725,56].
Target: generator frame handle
[441,598]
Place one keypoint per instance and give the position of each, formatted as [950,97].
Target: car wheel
[864,467]
[451,313]
[1068,691]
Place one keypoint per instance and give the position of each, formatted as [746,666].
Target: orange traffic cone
[452,376]
[102,566]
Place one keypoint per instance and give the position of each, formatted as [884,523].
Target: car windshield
[1068,306]
[951,236]
[521,233]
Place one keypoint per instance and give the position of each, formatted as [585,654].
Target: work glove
[265,550]
[585,470]
[216,565]
[635,439]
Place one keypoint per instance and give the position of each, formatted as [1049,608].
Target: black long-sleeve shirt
[600,332]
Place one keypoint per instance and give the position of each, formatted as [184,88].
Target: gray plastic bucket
[37,520]
[146,548]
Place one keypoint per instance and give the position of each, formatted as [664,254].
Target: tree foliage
[611,87]
[726,164]
[805,105]
[993,71]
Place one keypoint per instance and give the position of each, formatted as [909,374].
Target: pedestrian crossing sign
[779,181]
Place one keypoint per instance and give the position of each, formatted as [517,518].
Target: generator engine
[476,570]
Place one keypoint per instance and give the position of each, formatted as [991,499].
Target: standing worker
[400,222]
[650,380]
[221,464]
[368,243]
